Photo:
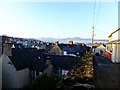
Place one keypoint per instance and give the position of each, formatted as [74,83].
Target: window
[109,47]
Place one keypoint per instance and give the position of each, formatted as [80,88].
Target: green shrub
[44,82]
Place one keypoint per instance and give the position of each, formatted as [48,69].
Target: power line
[97,18]
[94,8]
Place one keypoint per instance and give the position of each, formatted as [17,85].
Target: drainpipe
[115,52]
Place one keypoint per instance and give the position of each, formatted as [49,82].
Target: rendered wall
[115,36]
[0,63]
[23,77]
[9,79]
[118,53]
[0,73]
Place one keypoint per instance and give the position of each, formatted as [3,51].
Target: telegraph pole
[92,36]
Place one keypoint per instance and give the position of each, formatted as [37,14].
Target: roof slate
[72,48]
[25,57]
[61,61]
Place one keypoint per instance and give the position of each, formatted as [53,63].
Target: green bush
[44,82]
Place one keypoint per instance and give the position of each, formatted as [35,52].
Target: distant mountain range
[74,39]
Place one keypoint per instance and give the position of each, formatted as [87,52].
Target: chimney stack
[70,42]
[57,43]
[7,47]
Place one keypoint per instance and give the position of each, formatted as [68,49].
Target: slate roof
[63,47]
[88,48]
[48,46]
[4,38]
[25,57]
[36,59]
[61,61]
[18,45]
[72,49]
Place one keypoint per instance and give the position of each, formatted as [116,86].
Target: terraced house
[113,47]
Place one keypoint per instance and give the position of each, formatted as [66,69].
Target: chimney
[48,61]
[57,43]
[83,44]
[7,47]
[70,42]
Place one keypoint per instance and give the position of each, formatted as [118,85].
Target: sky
[58,19]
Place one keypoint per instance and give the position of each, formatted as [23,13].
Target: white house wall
[116,47]
[118,53]
[119,34]
[0,63]
[101,47]
[113,55]
[115,36]
[23,77]
[9,79]
[0,73]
